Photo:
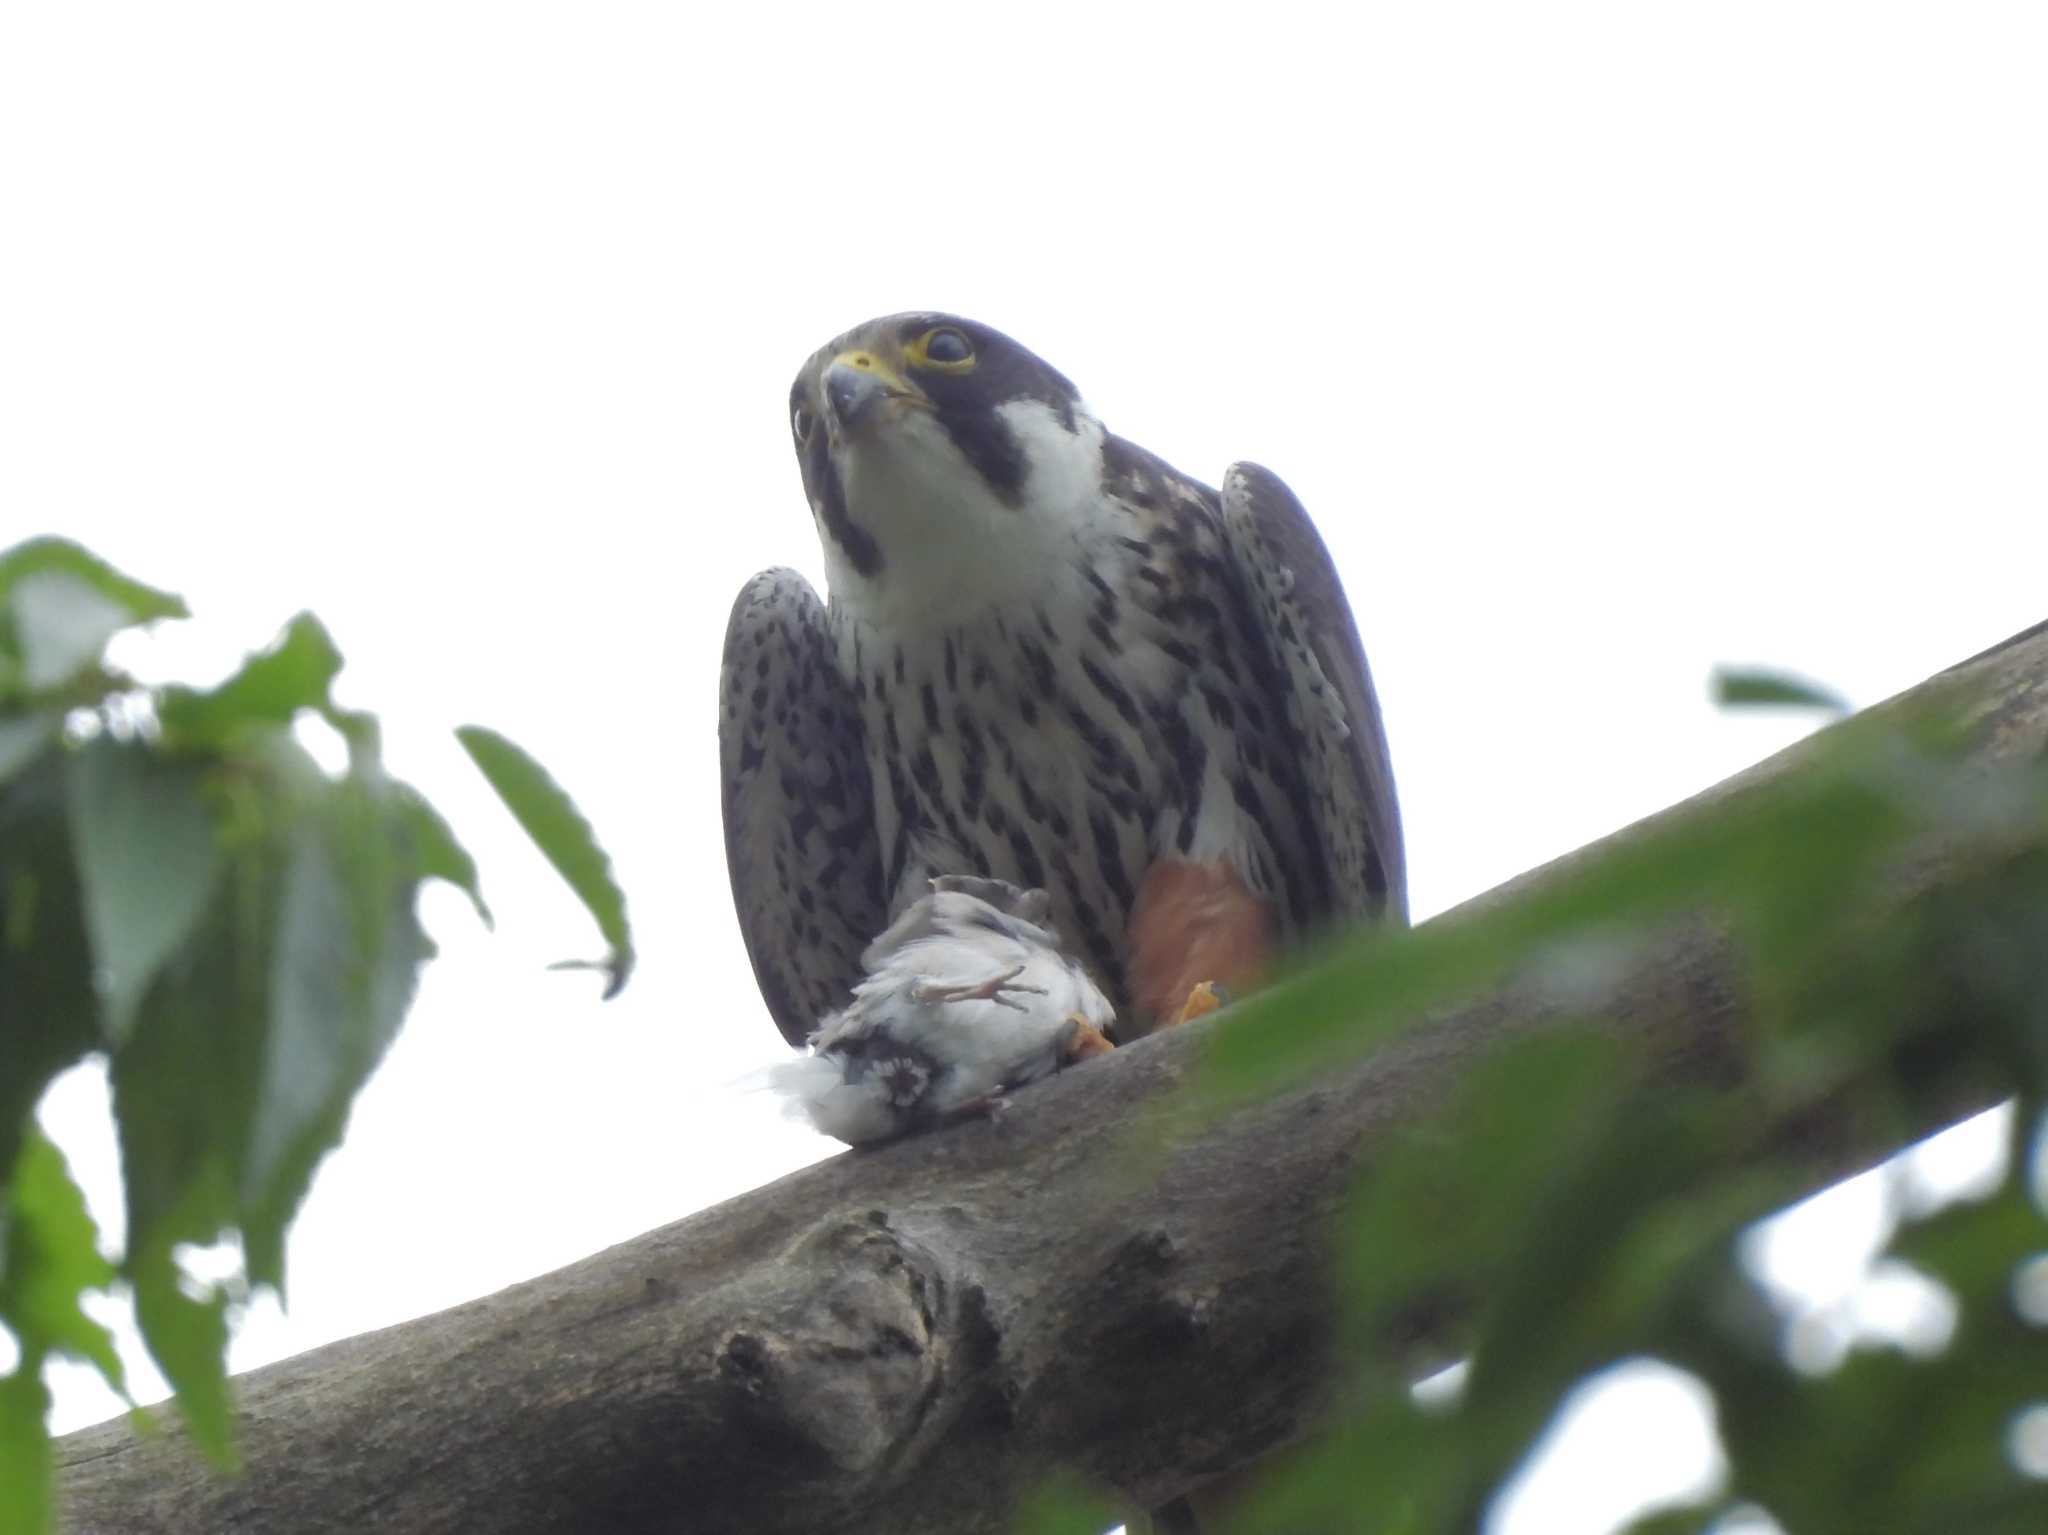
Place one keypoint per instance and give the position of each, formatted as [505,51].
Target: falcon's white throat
[951,546]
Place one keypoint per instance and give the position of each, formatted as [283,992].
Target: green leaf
[27,1459]
[23,739]
[49,1009]
[295,673]
[187,1336]
[440,855]
[148,855]
[1065,1506]
[1888,1441]
[559,830]
[344,963]
[49,1258]
[1450,1197]
[60,604]
[1749,688]
[49,554]
[1790,859]
[314,1015]
[1562,1222]
[1379,983]
[184,1076]
[237,927]
[61,626]
[1678,1521]
[1383,1468]
[247,1052]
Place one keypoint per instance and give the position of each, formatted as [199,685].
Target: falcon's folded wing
[1330,698]
[799,814]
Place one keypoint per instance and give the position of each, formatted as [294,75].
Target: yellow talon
[1084,1041]
[1205,998]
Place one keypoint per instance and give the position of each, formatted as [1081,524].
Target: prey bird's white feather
[967,995]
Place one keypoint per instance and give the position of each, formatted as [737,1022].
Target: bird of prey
[967,995]
[1051,659]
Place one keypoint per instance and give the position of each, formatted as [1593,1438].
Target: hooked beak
[856,382]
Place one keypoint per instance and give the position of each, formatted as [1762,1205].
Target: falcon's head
[940,458]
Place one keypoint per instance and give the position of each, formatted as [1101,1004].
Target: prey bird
[1047,658]
[967,995]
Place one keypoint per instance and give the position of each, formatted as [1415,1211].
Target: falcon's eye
[945,349]
[800,423]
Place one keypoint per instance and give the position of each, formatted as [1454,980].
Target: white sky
[1605,342]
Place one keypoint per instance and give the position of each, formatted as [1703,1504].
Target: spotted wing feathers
[799,815]
[1330,698]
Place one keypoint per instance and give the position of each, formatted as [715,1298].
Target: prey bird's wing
[799,814]
[1308,624]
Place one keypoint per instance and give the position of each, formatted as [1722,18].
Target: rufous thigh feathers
[1194,923]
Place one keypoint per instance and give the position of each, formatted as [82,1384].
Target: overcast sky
[1604,342]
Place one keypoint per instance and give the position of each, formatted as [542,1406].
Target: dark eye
[947,345]
[800,423]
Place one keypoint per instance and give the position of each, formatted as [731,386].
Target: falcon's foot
[1204,999]
[1084,1041]
[990,990]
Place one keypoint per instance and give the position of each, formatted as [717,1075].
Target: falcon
[1046,658]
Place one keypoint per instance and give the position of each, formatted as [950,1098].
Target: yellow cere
[863,360]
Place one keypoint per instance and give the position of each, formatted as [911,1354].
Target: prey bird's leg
[990,990]
[990,1106]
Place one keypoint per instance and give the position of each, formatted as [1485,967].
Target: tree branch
[906,1339]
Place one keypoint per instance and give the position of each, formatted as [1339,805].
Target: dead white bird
[968,994]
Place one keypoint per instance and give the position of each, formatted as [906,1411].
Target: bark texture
[904,1339]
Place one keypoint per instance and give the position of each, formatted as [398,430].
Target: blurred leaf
[1649,1212]
[147,859]
[1887,1440]
[558,829]
[59,605]
[295,673]
[1565,1223]
[344,962]
[1678,1521]
[60,555]
[1383,1469]
[186,1076]
[440,855]
[188,1338]
[316,1017]
[181,884]
[27,1463]
[259,1031]
[1380,983]
[1065,1506]
[1446,1199]
[1791,861]
[1744,687]
[49,1258]
[1801,865]
[24,738]
[50,1014]
[62,627]
[182,1100]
